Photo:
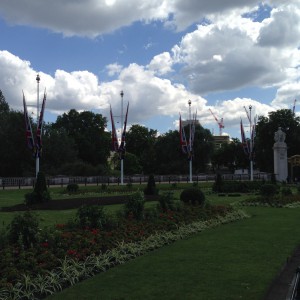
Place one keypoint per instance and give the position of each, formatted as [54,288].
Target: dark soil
[63,204]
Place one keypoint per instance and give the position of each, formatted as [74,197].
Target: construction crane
[294,106]
[220,123]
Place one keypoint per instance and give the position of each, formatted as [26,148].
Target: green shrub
[40,193]
[268,190]
[151,187]
[286,191]
[166,201]
[92,216]
[24,229]
[217,186]
[72,188]
[134,206]
[192,195]
[129,185]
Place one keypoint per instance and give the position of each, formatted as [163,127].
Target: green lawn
[233,261]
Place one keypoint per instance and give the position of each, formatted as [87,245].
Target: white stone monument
[280,156]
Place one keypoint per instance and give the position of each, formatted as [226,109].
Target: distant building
[220,139]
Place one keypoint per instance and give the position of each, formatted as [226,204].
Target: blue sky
[161,53]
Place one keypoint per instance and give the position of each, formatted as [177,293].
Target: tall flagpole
[251,145]
[122,166]
[190,142]
[37,160]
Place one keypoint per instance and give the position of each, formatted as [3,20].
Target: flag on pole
[122,148]
[192,136]
[115,143]
[244,141]
[29,135]
[40,128]
[183,142]
[253,135]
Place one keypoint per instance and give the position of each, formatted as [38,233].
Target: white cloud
[93,17]
[161,64]
[228,52]
[286,95]
[231,54]
[113,69]
[84,18]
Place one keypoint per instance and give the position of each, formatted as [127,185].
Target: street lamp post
[37,160]
[122,166]
[251,144]
[190,142]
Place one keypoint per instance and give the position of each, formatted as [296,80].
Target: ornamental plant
[192,196]
[268,191]
[166,201]
[72,188]
[151,186]
[92,216]
[40,193]
[134,206]
[23,229]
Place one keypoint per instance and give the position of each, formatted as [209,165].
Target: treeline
[79,144]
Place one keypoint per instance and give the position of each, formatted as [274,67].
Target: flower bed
[80,262]
[37,262]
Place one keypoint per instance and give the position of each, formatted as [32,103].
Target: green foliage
[92,142]
[40,193]
[151,186]
[140,143]
[103,187]
[217,186]
[264,141]
[72,188]
[286,191]
[192,195]
[92,216]
[166,201]
[129,185]
[134,206]
[237,186]
[268,190]
[23,229]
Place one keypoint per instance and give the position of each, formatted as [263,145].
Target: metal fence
[23,182]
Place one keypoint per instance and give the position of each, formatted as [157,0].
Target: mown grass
[233,261]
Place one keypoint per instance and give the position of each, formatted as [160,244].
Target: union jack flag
[28,129]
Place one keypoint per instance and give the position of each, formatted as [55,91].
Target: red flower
[95,231]
[45,244]
[71,252]
[60,226]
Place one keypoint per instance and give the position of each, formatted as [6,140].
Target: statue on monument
[279,136]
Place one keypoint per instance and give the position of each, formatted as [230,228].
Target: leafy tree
[88,131]
[203,148]
[169,158]
[231,156]
[4,107]
[15,158]
[140,141]
[131,164]
[265,129]
[58,149]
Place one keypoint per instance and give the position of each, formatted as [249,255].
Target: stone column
[280,156]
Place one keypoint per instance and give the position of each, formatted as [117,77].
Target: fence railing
[19,182]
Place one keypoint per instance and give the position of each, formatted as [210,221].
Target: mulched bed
[73,203]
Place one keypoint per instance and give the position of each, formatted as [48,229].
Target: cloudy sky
[221,55]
